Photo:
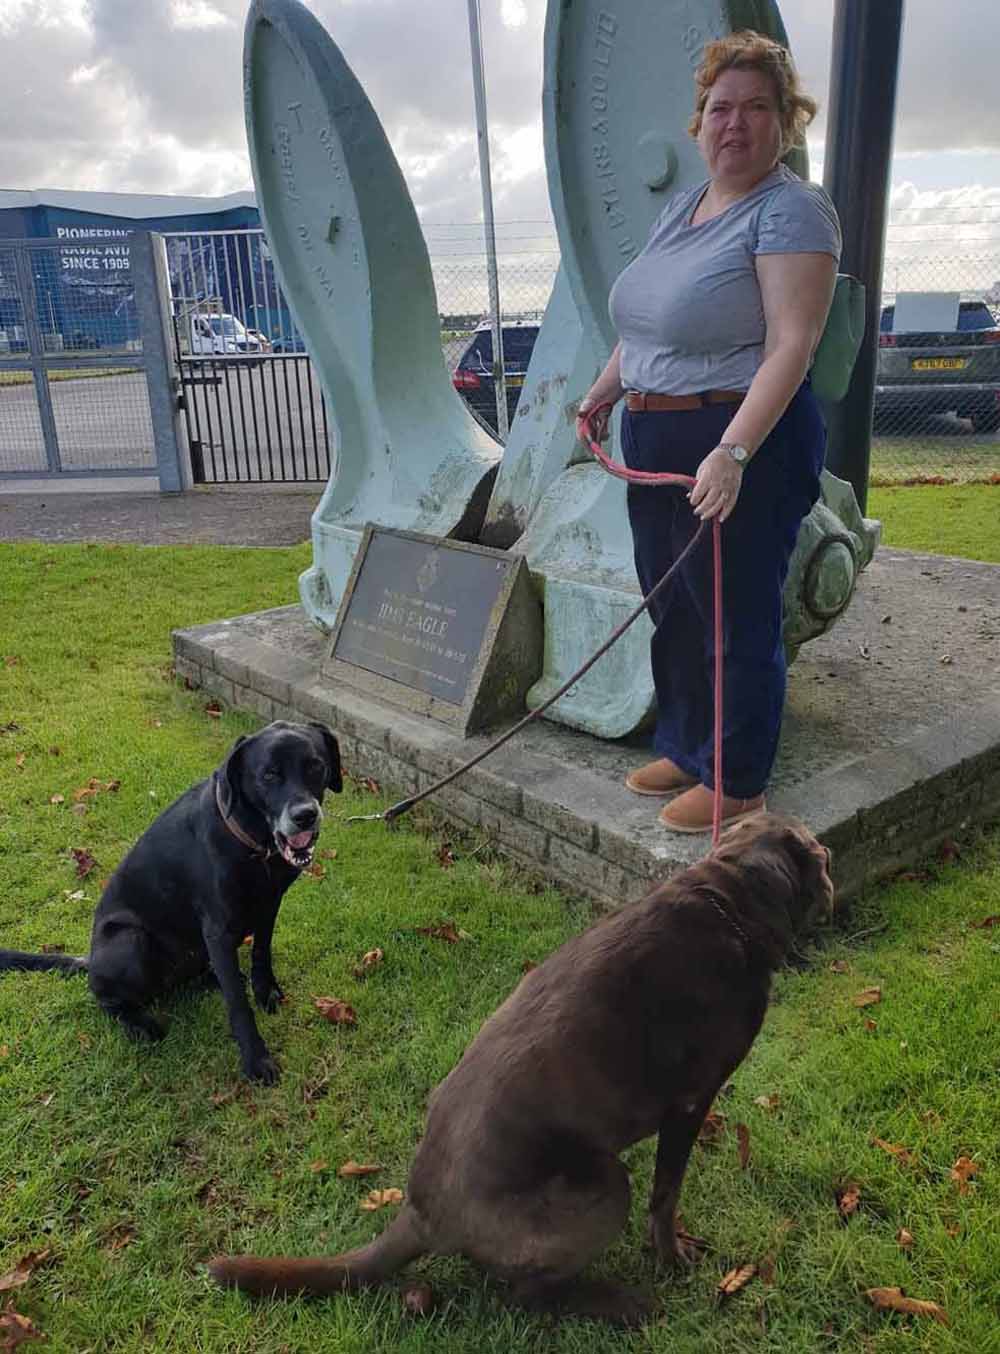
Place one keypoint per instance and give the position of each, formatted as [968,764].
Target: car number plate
[939,363]
[513,381]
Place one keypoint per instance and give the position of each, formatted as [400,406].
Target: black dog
[209,871]
[629,1029]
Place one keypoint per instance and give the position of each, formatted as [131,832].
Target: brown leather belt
[638,401]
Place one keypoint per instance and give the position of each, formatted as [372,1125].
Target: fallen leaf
[840,966]
[119,1238]
[418,1299]
[735,1280]
[11,660]
[381,1198]
[317,1166]
[904,1239]
[79,810]
[960,1172]
[713,1126]
[316,870]
[329,854]
[19,761]
[871,1024]
[85,862]
[871,996]
[336,1011]
[10,727]
[370,784]
[446,930]
[952,1229]
[528,965]
[369,960]
[768,1102]
[895,1300]
[75,895]
[743,1145]
[352,1168]
[766,1269]
[986,923]
[53,947]
[22,1271]
[445,857]
[902,1154]
[112,786]
[57,799]
[931,1117]
[15,1329]
[214,710]
[848,1199]
[83,1039]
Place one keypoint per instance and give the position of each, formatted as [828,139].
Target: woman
[718,318]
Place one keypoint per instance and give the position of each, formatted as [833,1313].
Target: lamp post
[858,156]
[482,135]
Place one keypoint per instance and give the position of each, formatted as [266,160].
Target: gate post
[149,272]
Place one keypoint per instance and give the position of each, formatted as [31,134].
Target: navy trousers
[780,485]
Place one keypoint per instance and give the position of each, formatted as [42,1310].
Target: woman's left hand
[716,487]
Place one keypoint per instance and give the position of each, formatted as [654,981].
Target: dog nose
[304,815]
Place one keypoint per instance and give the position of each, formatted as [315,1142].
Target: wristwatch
[739,454]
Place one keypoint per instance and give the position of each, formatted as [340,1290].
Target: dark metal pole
[863,69]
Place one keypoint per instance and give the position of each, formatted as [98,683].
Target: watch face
[738,453]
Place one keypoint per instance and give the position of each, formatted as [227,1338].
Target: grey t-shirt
[688,309]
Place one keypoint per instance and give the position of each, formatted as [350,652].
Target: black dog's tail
[35,963]
[401,1242]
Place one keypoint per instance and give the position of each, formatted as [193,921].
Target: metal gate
[252,402]
[84,382]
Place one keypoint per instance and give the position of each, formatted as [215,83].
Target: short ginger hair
[752,51]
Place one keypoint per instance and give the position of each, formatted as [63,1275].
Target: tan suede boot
[692,811]
[658,778]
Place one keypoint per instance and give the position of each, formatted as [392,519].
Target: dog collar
[259,850]
[733,923]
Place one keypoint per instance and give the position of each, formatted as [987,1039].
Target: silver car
[940,373]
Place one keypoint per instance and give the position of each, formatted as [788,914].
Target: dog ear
[332,750]
[227,775]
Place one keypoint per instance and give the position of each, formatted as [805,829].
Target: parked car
[473,375]
[220,335]
[956,371]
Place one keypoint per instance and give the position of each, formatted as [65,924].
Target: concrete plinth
[891,738]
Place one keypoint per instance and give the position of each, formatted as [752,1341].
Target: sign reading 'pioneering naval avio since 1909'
[438,626]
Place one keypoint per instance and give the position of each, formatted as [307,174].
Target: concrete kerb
[915,756]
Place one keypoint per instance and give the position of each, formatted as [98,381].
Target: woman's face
[740,137]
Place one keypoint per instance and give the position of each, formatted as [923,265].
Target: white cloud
[147,94]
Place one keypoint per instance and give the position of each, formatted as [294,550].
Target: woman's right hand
[599,415]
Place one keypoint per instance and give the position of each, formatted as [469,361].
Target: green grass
[956,458]
[132,1165]
[941,519]
[23,378]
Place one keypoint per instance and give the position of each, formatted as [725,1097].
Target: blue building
[83,287]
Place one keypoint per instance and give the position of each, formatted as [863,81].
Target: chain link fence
[937,402]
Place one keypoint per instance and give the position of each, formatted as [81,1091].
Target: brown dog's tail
[401,1242]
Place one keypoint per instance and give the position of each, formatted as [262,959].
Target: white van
[220,335]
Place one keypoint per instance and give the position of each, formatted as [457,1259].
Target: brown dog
[627,1030]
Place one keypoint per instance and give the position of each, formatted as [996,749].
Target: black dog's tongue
[300,840]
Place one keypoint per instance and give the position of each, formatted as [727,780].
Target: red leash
[651,478]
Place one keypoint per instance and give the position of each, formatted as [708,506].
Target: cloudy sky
[144,96]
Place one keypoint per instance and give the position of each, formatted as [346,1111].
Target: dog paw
[268,996]
[262,1069]
[675,1248]
[146,1031]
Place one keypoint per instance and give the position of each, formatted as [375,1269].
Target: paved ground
[211,516]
